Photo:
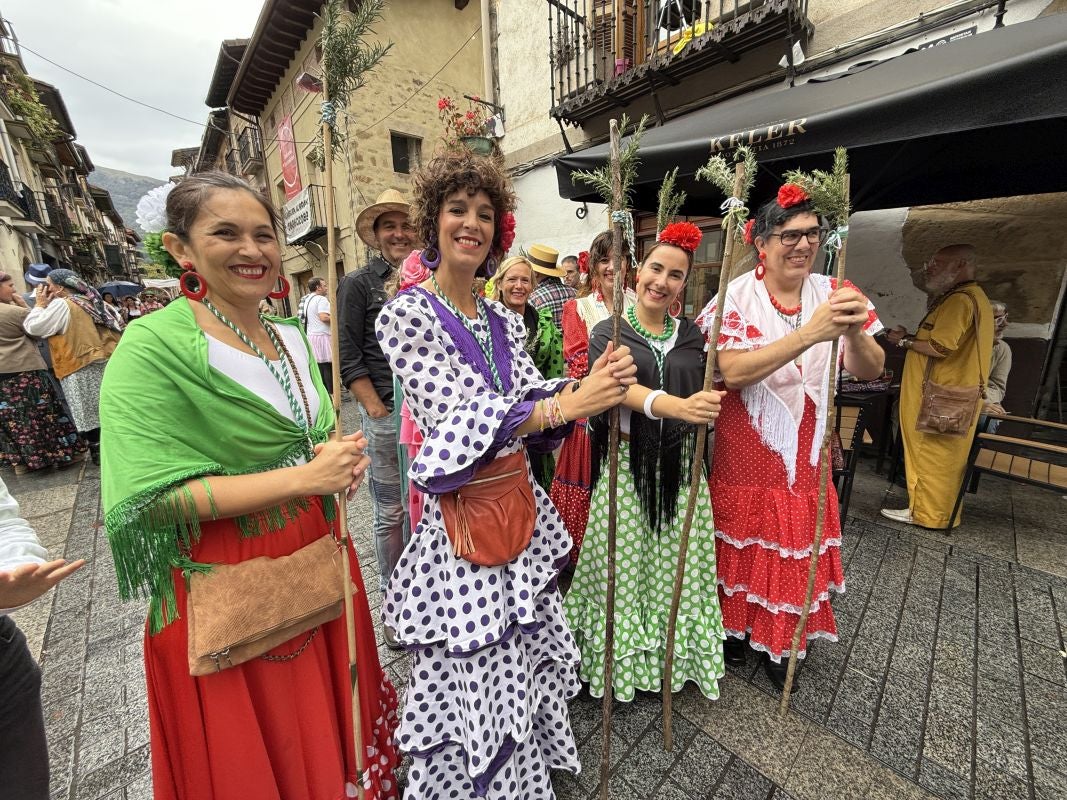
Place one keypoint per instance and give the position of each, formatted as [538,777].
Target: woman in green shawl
[512,285]
[215,433]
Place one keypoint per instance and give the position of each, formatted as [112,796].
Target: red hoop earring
[198,290]
[676,308]
[761,270]
[280,294]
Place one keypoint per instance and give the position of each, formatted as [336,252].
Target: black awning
[981,117]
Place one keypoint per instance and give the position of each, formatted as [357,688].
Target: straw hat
[543,259]
[389,200]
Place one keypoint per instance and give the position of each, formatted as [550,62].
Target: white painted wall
[543,217]
[875,263]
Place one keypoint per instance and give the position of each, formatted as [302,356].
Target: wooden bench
[1024,460]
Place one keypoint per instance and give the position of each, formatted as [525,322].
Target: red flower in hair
[685,235]
[749,238]
[790,195]
[507,231]
[583,262]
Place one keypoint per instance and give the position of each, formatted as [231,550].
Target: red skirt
[571,484]
[764,533]
[268,730]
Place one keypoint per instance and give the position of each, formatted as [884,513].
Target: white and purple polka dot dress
[493,661]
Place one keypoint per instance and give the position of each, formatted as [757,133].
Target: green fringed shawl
[166,417]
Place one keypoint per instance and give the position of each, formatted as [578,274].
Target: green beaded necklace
[484,338]
[283,376]
[656,341]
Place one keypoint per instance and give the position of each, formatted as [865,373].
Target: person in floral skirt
[571,485]
[778,325]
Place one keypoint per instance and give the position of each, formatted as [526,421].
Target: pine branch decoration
[827,189]
[600,178]
[720,172]
[347,60]
[670,200]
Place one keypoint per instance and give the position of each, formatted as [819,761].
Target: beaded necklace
[657,342]
[484,337]
[790,315]
[285,376]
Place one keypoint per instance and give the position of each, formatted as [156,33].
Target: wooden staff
[696,481]
[820,516]
[618,300]
[341,499]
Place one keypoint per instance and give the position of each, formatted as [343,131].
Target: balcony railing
[30,206]
[304,217]
[250,148]
[8,193]
[58,221]
[605,53]
[231,162]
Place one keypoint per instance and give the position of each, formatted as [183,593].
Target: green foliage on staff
[600,178]
[347,60]
[827,189]
[720,172]
[670,200]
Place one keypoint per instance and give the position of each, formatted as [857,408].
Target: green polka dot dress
[644,581]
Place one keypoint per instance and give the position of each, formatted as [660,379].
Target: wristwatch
[906,342]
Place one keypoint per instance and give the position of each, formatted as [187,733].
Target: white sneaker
[898,515]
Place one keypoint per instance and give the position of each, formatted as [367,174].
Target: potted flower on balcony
[468,128]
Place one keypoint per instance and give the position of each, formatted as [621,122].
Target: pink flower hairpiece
[413,271]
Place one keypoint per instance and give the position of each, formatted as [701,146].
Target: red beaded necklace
[788,312]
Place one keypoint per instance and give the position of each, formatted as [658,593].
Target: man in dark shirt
[384,227]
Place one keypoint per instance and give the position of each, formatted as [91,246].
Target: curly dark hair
[449,172]
[771,215]
[600,250]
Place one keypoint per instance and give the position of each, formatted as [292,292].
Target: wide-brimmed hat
[389,200]
[543,259]
[36,274]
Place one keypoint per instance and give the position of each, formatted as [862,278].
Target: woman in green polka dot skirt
[658,421]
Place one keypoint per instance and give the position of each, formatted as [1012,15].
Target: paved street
[949,679]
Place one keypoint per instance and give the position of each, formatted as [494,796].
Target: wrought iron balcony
[58,221]
[231,162]
[606,53]
[10,199]
[250,148]
[30,206]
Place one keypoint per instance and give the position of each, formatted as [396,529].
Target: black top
[360,297]
[661,451]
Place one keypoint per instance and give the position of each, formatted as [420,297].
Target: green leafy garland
[346,62]
[670,200]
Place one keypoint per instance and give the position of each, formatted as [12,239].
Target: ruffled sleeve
[465,422]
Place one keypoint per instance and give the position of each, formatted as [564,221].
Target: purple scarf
[468,346]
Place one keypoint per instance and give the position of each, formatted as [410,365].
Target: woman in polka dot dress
[493,662]
[658,421]
[778,325]
[571,484]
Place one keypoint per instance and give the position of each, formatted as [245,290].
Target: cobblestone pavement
[949,678]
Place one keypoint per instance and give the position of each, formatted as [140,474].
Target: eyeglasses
[791,238]
[938,262]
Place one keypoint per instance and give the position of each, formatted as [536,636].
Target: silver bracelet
[650,400]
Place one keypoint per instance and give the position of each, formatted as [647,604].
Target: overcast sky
[160,52]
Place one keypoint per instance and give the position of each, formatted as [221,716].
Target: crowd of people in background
[484,385]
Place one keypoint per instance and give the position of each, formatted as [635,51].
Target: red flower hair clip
[749,238]
[583,262]
[507,231]
[791,195]
[685,235]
